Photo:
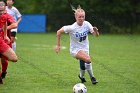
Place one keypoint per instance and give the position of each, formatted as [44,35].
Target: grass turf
[116,65]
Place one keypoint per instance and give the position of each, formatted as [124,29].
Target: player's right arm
[58,38]
[12,26]
[6,38]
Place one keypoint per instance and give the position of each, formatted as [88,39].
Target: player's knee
[88,60]
[14,58]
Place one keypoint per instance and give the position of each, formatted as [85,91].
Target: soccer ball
[79,88]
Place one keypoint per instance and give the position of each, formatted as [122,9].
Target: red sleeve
[10,19]
[2,20]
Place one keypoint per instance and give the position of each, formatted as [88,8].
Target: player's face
[80,17]
[10,2]
[2,6]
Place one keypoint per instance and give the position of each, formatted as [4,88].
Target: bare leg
[81,55]
[0,67]
[13,43]
[11,55]
[1,82]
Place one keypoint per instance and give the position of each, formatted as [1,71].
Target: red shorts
[10,44]
[3,46]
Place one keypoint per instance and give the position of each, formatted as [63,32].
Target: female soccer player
[5,49]
[10,24]
[13,11]
[79,44]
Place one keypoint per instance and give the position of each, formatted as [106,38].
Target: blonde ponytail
[78,10]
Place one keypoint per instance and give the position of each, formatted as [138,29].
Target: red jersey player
[5,50]
[10,22]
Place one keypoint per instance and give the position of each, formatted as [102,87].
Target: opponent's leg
[14,46]
[13,38]
[4,67]
[1,82]
[10,54]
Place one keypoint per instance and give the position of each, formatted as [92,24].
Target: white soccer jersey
[13,12]
[79,36]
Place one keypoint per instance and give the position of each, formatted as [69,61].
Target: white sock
[89,69]
[82,73]
[14,46]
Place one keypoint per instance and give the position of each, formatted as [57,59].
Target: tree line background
[110,16]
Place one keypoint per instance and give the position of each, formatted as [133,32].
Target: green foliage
[49,6]
[119,13]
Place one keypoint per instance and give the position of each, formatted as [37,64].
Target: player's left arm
[95,31]
[19,20]
[18,15]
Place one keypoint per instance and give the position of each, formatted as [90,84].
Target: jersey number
[82,39]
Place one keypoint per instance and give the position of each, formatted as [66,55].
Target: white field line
[41,46]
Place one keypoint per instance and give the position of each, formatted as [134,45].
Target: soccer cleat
[3,75]
[93,80]
[1,82]
[82,79]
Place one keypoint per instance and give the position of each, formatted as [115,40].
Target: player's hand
[96,31]
[57,49]
[7,40]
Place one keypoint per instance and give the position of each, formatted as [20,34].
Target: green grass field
[116,65]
